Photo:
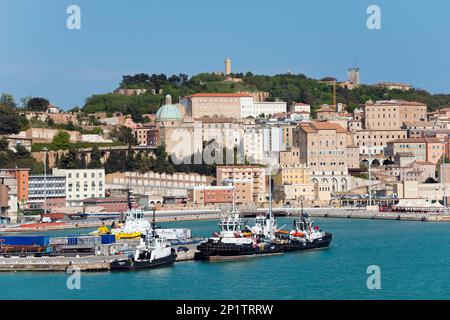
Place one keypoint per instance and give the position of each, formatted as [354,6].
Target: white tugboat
[151,252]
[232,243]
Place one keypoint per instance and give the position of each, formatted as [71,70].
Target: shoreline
[347,213]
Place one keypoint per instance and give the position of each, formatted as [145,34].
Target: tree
[8,100]
[96,157]
[61,141]
[22,152]
[38,104]
[70,161]
[70,126]
[8,121]
[4,144]
[50,122]
[124,135]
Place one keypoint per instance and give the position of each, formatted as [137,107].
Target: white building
[254,145]
[273,139]
[94,138]
[255,109]
[301,107]
[82,184]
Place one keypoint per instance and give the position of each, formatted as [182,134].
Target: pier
[88,263]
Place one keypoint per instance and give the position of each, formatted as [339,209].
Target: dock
[88,263]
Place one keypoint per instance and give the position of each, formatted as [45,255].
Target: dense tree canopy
[37,104]
[9,121]
[8,100]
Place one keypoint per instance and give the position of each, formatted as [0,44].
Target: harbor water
[414,259]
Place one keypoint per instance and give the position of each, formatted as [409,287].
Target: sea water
[413,259]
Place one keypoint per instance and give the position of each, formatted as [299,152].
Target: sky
[40,56]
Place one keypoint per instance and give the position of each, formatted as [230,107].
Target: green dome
[168,111]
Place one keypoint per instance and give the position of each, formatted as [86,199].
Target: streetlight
[45,179]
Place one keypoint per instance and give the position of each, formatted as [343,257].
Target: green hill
[287,87]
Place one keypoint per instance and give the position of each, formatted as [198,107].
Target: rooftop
[221,95]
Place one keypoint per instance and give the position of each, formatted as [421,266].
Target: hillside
[287,87]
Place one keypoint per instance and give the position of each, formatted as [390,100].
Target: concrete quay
[88,263]
[351,213]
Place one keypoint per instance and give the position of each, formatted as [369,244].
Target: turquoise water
[414,258]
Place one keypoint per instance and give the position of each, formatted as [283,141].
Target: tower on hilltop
[227,67]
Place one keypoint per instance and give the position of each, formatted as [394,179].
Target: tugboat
[233,243]
[150,253]
[153,251]
[304,236]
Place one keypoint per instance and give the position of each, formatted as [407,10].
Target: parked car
[183,249]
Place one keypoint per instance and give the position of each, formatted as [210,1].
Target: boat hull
[130,264]
[222,251]
[301,246]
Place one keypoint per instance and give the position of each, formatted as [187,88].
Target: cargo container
[73,241]
[41,241]
[108,238]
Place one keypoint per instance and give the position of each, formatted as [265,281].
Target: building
[8,197]
[291,175]
[394,86]
[109,204]
[290,156]
[391,114]
[182,137]
[256,174]
[375,141]
[15,140]
[82,184]
[21,175]
[147,135]
[157,184]
[301,107]
[262,109]
[50,187]
[217,104]
[211,195]
[423,149]
[254,145]
[324,149]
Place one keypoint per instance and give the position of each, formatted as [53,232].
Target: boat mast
[153,222]
[270,199]
[443,186]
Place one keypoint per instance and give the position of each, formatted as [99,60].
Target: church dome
[169,112]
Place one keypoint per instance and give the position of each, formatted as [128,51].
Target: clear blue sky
[39,56]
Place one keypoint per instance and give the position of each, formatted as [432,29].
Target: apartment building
[51,188]
[392,114]
[375,141]
[8,197]
[424,149]
[211,195]
[82,184]
[256,174]
[324,149]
